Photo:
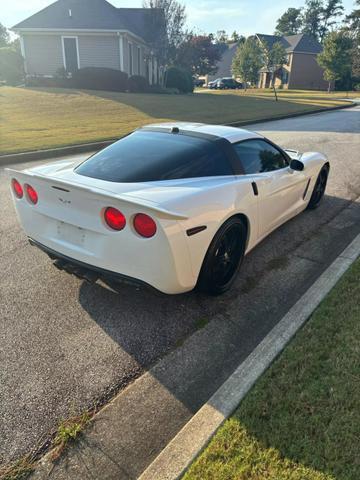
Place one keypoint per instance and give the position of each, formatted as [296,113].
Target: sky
[245,16]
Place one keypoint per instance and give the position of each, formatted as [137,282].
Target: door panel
[280,189]
[280,196]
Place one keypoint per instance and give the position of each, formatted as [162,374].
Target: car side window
[257,156]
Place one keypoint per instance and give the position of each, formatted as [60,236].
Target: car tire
[319,188]
[223,258]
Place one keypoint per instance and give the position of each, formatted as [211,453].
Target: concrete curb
[92,147]
[178,455]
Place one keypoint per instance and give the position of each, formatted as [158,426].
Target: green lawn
[301,421]
[33,119]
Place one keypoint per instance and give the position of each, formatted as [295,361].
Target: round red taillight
[17,188]
[31,194]
[144,225]
[114,218]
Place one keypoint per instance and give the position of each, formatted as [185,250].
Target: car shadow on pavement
[182,375]
[147,324]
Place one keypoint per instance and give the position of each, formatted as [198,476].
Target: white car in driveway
[173,206]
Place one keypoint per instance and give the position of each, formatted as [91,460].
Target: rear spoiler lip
[99,191]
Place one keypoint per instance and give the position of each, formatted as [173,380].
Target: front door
[280,197]
[71,54]
[280,190]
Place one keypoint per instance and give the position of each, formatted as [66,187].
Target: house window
[130,59]
[70,54]
[139,60]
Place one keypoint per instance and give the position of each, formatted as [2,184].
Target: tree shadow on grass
[196,107]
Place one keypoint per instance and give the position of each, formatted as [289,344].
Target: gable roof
[89,15]
[293,43]
[224,64]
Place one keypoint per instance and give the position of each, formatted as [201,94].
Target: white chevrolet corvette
[172,206]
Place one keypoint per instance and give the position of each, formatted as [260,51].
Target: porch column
[121,52]
[22,49]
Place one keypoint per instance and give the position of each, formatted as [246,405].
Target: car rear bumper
[163,261]
[85,271]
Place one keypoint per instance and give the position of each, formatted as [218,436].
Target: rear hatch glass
[146,156]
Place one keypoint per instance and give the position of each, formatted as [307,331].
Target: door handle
[255,188]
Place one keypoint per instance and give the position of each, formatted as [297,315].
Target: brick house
[301,70]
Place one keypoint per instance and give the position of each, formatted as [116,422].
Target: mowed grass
[301,421]
[32,119]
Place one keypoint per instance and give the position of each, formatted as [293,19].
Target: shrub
[96,78]
[11,66]
[61,73]
[190,81]
[179,78]
[137,83]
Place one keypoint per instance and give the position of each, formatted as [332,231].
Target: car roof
[232,134]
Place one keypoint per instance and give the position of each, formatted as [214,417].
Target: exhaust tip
[59,264]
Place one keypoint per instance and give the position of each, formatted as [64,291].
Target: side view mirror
[297,165]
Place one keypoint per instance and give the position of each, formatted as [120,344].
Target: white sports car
[173,206]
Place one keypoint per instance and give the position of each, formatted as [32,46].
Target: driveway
[66,345]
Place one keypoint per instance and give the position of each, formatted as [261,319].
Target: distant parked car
[213,83]
[228,83]
[198,82]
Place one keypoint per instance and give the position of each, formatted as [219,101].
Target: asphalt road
[65,344]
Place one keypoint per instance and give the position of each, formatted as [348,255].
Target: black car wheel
[319,189]
[223,258]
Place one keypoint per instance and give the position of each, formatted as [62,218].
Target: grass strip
[301,421]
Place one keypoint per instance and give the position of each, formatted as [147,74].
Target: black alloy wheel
[223,258]
[319,189]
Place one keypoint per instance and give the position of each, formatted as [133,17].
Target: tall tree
[311,18]
[352,27]
[221,37]
[335,58]
[289,23]
[331,12]
[166,27]
[318,17]
[4,36]
[235,37]
[273,59]
[247,61]
[352,21]
[198,54]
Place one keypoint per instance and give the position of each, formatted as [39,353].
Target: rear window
[146,156]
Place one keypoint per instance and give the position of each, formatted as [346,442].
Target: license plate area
[70,233]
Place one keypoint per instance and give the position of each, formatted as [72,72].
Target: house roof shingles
[88,15]
[293,43]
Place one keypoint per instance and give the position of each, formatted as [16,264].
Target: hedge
[179,78]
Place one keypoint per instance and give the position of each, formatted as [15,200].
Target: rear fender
[225,204]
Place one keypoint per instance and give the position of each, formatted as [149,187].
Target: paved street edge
[178,455]
[95,146]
